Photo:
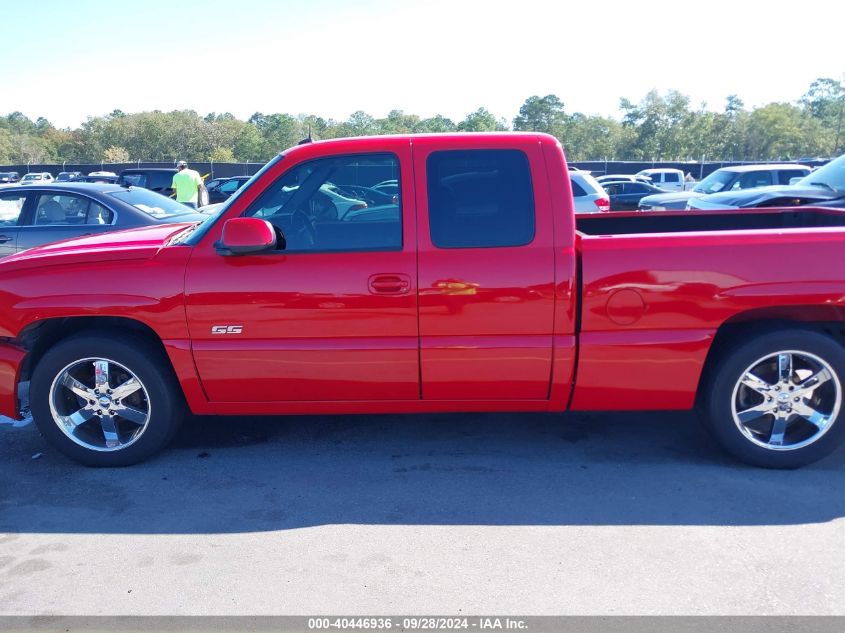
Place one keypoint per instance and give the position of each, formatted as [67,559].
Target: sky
[329,58]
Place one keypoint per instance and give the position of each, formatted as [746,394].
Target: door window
[785,175]
[753,179]
[321,205]
[11,205]
[480,199]
[70,210]
[671,177]
[229,186]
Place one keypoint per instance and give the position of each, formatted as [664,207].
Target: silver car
[726,179]
[588,194]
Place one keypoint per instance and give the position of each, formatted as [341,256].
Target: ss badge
[227,329]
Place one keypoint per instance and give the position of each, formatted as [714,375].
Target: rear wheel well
[736,332]
[39,337]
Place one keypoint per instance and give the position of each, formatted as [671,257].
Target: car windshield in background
[831,176]
[714,183]
[152,203]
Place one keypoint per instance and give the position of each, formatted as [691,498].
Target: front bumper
[11,359]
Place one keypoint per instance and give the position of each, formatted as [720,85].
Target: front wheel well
[39,337]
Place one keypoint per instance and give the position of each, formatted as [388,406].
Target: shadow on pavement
[228,475]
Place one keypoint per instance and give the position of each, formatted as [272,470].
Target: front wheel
[776,401]
[104,400]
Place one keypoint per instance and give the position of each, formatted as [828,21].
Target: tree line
[657,127]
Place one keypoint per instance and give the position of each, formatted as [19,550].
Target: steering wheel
[302,229]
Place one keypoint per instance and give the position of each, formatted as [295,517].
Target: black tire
[729,367]
[140,356]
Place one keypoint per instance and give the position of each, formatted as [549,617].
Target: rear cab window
[480,198]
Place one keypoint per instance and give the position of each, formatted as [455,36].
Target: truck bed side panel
[653,303]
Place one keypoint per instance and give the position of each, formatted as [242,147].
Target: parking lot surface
[438,514]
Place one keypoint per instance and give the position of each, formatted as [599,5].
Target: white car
[37,177]
[667,178]
[588,194]
[623,178]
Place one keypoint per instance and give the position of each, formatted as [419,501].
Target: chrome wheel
[99,404]
[786,400]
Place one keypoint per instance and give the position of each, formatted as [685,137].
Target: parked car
[727,179]
[221,190]
[824,187]
[588,194]
[41,177]
[666,178]
[34,214]
[622,178]
[626,195]
[69,176]
[158,179]
[8,177]
[373,197]
[482,292]
[214,182]
[110,179]
[390,187]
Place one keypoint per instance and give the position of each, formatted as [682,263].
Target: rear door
[486,269]
[11,211]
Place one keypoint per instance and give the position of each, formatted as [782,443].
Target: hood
[760,195]
[142,243]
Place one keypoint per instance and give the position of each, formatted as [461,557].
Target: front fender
[11,359]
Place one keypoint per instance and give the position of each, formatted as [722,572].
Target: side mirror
[795,179]
[246,235]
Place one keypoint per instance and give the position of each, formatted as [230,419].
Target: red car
[474,289]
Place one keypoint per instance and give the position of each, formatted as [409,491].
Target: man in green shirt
[187,184]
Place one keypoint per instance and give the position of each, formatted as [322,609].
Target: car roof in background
[78,187]
[761,166]
[141,169]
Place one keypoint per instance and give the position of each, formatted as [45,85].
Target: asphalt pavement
[524,514]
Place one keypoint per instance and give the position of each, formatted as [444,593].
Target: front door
[11,211]
[54,216]
[333,315]
[486,270]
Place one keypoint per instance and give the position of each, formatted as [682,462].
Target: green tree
[825,102]
[361,124]
[542,114]
[776,131]
[222,155]
[480,121]
[437,123]
[7,147]
[116,154]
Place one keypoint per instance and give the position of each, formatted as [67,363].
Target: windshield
[151,203]
[831,176]
[32,177]
[715,182]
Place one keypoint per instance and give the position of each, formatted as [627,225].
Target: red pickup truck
[431,273]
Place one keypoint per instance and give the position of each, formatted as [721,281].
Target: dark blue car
[39,214]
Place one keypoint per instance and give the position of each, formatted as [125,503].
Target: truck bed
[632,223]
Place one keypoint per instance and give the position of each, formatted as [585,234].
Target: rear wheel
[776,401]
[105,401]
